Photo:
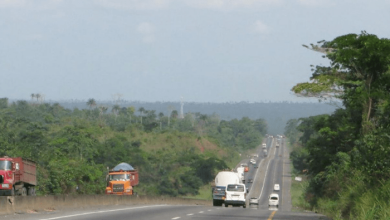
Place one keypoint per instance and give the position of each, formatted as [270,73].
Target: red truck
[121,180]
[17,176]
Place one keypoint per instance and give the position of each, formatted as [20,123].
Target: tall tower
[181,108]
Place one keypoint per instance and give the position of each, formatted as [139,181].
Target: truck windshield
[5,165]
[119,177]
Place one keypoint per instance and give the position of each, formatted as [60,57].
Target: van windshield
[274,198]
[235,188]
[5,165]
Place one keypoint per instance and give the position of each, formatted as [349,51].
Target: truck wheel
[214,202]
[244,206]
[226,205]
[31,191]
[24,191]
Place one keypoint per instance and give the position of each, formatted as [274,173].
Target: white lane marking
[89,213]
[175,218]
[201,212]
[265,177]
[191,214]
[209,210]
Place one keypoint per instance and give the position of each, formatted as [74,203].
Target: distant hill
[275,113]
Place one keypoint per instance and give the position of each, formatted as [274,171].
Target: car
[276,187]
[235,195]
[250,181]
[255,166]
[273,200]
[254,201]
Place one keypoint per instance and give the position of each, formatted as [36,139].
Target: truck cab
[17,176]
[121,180]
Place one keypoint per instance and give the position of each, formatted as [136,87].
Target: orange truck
[121,180]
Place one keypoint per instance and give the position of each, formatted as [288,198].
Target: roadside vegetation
[345,155]
[74,148]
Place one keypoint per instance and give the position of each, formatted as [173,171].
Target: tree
[32,96]
[141,110]
[91,103]
[358,74]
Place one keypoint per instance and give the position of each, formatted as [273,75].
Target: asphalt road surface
[272,169]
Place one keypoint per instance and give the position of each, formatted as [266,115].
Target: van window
[235,188]
[274,198]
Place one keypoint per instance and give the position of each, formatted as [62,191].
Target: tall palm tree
[141,110]
[32,96]
[38,96]
[91,103]
[115,109]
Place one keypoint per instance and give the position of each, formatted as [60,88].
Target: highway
[274,168]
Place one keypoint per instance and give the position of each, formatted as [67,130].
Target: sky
[168,50]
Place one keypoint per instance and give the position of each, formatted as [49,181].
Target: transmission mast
[181,108]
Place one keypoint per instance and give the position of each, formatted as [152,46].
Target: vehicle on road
[250,181]
[245,165]
[17,176]
[254,201]
[223,179]
[253,161]
[264,146]
[122,179]
[273,200]
[240,171]
[265,153]
[276,187]
[256,166]
[236,195]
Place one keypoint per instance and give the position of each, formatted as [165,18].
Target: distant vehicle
[240,171]
[223,179]
[277,145]
[245,165]
[250,181]
[235,195]
[273,200]
[265,153]
[276,187]
[254,201]
[255,166]
[264,146]
[253,161]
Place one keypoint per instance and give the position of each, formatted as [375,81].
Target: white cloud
[12,3]
[134,4]
[316,3]
[260,27]
[231,4]
[147,30]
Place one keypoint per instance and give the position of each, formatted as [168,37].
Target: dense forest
[276,114]
[74,147]
[345,154]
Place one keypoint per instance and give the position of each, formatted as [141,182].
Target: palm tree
[38,96]
[91,103]
[141,110]
[115,109]
[32,96]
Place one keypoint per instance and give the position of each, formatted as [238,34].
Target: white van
[235,195]
[273,200]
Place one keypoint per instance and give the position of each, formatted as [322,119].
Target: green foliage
[74,148]
[346,152]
